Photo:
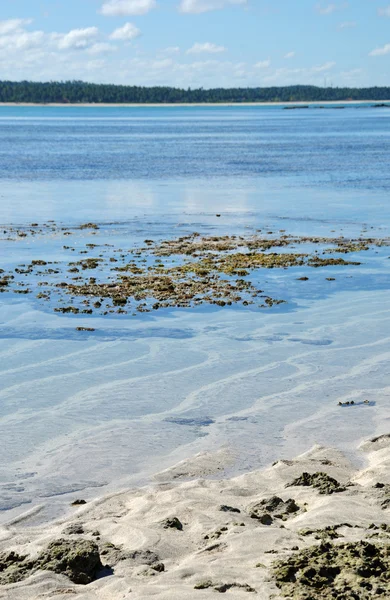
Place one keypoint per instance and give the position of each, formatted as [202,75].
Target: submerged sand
[191,536]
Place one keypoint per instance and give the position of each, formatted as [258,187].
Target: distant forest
[74,92]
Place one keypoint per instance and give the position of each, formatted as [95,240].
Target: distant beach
[182,105]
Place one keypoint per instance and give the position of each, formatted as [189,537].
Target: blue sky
[197,43]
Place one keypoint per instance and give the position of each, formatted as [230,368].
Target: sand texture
[196,538]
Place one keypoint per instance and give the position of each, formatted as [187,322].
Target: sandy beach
[190,535]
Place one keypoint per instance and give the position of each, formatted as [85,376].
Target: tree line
[77,92]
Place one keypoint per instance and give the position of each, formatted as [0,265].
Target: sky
[197,43]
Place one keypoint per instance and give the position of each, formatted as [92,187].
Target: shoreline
[188,536]
[195,104]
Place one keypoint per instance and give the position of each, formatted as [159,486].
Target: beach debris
[359,570]
[78,502]
[320,481]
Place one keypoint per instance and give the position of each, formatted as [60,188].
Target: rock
[78,502]
[330,532]
[74,529]
[222,588]
[172,523]
[112,554]
[225,508]
[89,226]
[356,570]
[203,585]
[265,519]
[79,560]
[216,534]
[273,508]
[13,567]
[321,481]
[143,557]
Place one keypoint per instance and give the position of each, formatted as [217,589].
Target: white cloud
[127,32]
[384,11]
[325,67]
[21,40]
[76,39]
[303,75]
[207,47]
[329,9]
[289,55]
[170,51]
[101,48]
[122,8]
[263,64]
[13,25]
[202,6]
[351,74]
[347,25]
[380,51]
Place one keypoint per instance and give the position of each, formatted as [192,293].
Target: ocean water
[84,415]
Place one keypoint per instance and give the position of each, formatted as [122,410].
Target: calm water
[348,147]
[107,410]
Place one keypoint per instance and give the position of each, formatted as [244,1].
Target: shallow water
[111,407]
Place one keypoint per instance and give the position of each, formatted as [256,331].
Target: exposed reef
[183,272]
[359,571]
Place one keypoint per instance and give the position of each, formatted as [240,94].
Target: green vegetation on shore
[75,92]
